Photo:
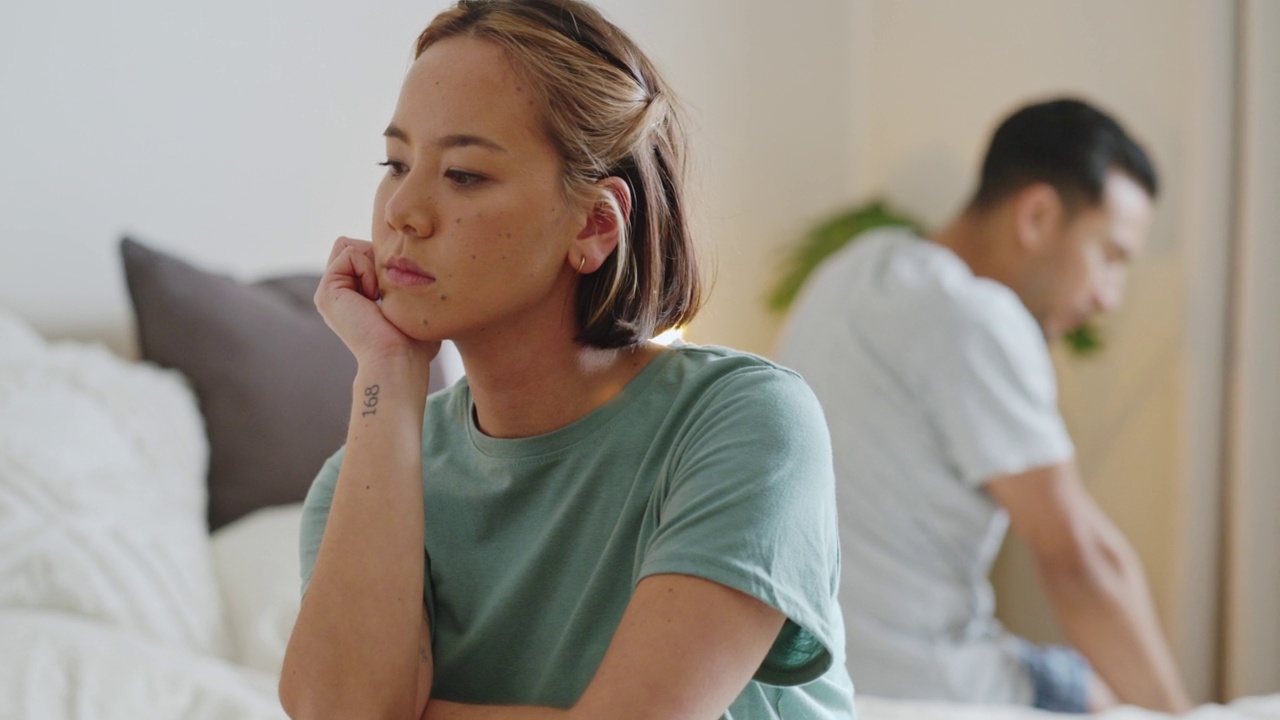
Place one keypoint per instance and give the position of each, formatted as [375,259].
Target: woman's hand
[348,300]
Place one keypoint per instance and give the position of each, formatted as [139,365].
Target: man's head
[1078,192]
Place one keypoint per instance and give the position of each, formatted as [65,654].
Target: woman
[588,525]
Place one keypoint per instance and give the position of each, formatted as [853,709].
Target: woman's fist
[348,301]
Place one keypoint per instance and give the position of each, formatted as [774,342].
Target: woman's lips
[404,272]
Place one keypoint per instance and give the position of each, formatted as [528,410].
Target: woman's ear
[1037,214]
[604,226]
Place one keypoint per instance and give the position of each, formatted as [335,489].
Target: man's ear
[1038,212]
[603,227]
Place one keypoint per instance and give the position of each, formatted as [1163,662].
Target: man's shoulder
[894,270]
[906,300]
[925,289]
[978,305]
[949,317]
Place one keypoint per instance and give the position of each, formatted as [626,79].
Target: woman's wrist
[410,375]
[389,389]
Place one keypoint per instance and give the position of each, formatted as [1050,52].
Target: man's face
[1083,270]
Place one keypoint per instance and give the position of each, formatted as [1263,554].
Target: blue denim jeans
[1060,677]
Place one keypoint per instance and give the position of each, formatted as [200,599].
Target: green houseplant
[835,232]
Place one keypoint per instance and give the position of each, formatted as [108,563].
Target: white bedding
[57,666]
[102,492]
[61,666]
[869,708]
[110,604]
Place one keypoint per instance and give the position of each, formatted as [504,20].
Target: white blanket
[102,493]
[57,666]
[870,708]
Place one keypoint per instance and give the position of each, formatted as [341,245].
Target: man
[931,361]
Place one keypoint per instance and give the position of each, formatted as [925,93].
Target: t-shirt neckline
[564,437]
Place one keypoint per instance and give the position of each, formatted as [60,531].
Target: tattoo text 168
[370,401]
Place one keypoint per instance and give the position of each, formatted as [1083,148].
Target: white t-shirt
[933,381]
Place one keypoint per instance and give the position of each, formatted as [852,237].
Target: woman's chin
[409,317]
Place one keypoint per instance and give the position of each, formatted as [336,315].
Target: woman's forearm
[441,710]
[355,649]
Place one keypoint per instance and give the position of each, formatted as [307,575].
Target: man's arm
[686,647]
[1095,583]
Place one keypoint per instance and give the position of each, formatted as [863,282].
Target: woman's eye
[462,178]
[395,168]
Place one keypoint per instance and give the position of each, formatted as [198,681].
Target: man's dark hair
[1067,143]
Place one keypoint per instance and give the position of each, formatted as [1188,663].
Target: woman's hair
[608,113]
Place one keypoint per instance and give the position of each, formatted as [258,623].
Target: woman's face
[471,230]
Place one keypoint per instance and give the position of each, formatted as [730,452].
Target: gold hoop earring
[582,262]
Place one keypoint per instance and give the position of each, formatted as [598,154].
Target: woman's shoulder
[723,375]
[715,363]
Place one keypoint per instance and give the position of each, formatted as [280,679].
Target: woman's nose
[411,209]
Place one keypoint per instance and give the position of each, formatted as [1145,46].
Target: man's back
[933,381]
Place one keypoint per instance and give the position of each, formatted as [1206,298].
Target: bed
[149,509]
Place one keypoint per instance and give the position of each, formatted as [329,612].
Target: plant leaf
[827,238]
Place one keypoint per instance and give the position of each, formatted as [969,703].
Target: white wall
[243,136]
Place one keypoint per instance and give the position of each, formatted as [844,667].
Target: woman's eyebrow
[448,141]
[452,141]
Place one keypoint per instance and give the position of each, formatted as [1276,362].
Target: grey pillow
[273,380]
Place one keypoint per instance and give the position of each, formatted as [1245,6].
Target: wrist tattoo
[370,401]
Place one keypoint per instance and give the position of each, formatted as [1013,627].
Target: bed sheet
[57,666]
[873,708]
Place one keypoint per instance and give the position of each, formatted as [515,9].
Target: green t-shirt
[710,463]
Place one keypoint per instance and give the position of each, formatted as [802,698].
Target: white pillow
[102,495]
[256,558]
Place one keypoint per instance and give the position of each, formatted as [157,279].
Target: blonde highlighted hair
[608,113]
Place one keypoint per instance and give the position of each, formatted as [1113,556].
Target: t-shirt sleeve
[315,515]
[750,504]
[993,392]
